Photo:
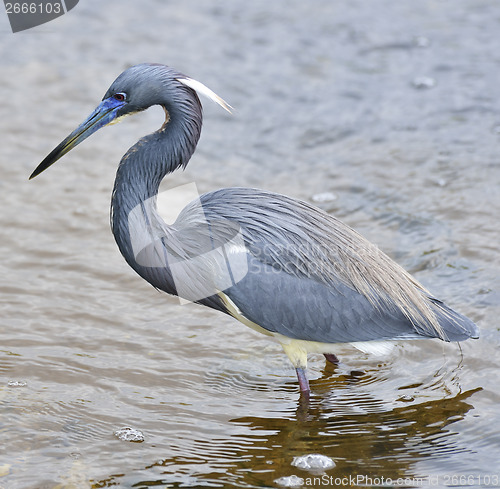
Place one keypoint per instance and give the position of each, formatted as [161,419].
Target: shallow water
[385,115]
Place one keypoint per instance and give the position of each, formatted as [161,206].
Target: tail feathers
[455,326]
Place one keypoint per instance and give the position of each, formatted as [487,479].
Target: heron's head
[136,89]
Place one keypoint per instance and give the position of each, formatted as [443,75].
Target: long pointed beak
[104,114]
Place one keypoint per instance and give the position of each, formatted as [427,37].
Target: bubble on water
[423,82]
[441,182]
[313,461]
[406,398]
[129,434]
[323,197]
[290,481]
[17,383]
[422,42]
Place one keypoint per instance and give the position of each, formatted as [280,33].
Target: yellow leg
[298,356]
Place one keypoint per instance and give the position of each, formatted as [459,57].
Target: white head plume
[204,90]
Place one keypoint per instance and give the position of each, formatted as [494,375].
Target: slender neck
[141,171]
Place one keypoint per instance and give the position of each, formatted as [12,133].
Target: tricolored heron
[278,265]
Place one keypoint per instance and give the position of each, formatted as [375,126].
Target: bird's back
[309,276]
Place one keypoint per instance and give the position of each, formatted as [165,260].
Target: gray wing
[309,276]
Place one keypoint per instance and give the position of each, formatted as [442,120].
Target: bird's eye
[119,96]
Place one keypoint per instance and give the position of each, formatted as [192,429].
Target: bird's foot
[330,357]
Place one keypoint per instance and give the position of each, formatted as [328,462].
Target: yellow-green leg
[298,356]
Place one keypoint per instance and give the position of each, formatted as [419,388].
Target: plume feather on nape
[204,90]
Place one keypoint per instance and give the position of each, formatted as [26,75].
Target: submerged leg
[330,357]
[298,356]
[303,382]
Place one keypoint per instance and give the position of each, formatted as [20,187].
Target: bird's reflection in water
[367,420]
[359,429]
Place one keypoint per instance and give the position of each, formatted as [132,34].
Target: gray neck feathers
[145,164]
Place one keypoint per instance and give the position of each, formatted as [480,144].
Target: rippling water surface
[385,114]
